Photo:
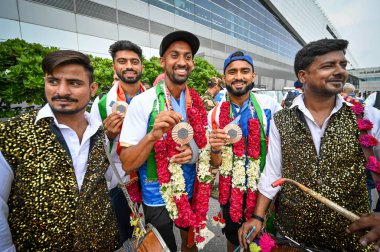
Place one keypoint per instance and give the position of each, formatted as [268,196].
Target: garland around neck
[240,161]
[170,175]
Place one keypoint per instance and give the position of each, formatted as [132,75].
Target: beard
[128,81]
[174,78]
[240,92]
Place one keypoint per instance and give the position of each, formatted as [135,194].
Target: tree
[103,73]
[152,69]
[201,74]
[21,76]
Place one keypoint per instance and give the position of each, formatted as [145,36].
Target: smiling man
[128,67]
[53,191]
[150,118]
[316,142]
[252,112]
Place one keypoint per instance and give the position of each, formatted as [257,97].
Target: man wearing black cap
[148,144]
[240,163]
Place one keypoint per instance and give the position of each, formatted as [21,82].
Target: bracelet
[258,218]
[215,151]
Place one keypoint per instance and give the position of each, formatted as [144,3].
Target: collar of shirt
[179,106]
[299,101]
[128,99]
[46,112]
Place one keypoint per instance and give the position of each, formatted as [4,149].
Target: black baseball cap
[185,36]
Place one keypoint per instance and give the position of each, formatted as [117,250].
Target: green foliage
[21,76]
[103,73]
[152,69]
[201,74]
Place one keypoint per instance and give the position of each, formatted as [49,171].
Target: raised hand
[112,124]
[164,122]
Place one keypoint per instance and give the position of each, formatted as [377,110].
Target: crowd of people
[59,191]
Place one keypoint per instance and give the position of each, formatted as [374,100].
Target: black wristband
[258,218]
[215,151]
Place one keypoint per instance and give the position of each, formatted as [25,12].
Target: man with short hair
[241,163]
[148,145]
[214,85]
[288,98]
[53,192]
[317,143]
[127,64]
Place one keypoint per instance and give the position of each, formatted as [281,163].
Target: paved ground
[218,242]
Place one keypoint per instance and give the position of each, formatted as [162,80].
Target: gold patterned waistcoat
[338,173]
[46,210]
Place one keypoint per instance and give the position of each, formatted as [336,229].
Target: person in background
[127,64]
[147,85]
[348,93]
[53,191]
[316,142]
[115,79]
[288,98]
[373,100]
[214,85]
[159,78]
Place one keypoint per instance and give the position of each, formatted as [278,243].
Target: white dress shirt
[79,153]
[273,167]
[370,101]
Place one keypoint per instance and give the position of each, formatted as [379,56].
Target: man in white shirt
[53,192]
[151,116]
[316,142]
[128,67]
[243,108]
[373,100]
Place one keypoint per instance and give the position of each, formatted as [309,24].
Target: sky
[357,21]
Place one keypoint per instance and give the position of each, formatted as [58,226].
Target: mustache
[180,67]
[336,79]
[67,98]
[239,81]
[128,70]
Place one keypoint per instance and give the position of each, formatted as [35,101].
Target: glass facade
[247,20]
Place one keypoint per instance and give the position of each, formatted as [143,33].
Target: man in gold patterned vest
[53,192]
[316,142]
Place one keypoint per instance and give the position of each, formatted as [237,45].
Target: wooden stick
[341,210]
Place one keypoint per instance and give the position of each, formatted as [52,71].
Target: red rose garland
[253,152]
[165,149]
[253,149]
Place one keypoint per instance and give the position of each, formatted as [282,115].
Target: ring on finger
[214,135]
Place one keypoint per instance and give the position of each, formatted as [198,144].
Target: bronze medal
[182,133]
[120,106]
[234,132]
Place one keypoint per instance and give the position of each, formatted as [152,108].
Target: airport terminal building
[272,31]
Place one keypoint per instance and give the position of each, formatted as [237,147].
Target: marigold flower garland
[237,162]
[170,175]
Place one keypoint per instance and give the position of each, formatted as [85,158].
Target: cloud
[356,21]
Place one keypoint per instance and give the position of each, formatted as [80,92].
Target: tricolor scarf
[170,175]
[116,93]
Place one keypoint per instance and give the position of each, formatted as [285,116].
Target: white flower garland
[204,175]
[226,166]
[253,173]
[167,195]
